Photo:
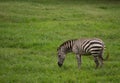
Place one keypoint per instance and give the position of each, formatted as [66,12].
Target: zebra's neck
[67,46]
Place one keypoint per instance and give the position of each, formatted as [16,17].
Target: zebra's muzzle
[59,64]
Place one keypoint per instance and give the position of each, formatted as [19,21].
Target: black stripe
[97,43]
[71,44]
[95,53]
[85,43]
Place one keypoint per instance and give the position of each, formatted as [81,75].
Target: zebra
[82,46]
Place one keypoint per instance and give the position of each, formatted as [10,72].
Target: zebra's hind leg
[96,61]
[101,60]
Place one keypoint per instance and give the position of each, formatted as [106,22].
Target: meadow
[31,31]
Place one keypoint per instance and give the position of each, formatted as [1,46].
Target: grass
[31,31]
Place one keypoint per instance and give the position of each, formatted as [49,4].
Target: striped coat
[84,46]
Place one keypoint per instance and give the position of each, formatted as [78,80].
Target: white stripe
[96,41]
[95,52]
[69,44]
[95,49]
[93,45]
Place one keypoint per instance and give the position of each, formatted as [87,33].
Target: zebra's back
[93,46]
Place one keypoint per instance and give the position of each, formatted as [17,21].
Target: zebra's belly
[84,53]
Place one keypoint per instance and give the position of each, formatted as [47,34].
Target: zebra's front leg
[78,60]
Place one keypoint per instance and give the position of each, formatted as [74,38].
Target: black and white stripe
[88,46]
[92,46]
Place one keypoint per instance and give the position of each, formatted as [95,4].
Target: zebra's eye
[59,55]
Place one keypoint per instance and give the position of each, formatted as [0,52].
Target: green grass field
[31,31]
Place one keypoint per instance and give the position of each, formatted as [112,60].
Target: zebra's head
[61,56]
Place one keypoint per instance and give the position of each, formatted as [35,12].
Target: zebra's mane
[66,42]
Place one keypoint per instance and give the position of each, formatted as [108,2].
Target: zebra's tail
[106,58]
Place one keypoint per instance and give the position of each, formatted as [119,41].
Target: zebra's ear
[57,49]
